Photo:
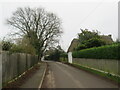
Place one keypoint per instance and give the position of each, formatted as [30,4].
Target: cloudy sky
[101,15]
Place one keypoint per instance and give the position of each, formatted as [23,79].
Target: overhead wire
[93,10]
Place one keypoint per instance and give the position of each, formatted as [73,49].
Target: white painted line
[40,85]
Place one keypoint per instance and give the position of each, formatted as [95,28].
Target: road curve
[64,76]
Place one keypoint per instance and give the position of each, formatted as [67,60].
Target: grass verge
[116,79]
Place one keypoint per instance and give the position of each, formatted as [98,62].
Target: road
[64,76]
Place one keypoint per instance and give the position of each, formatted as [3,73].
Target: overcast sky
[101,15]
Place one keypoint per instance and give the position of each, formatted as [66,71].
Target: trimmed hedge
[103,52]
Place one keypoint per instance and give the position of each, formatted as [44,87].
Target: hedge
[103,52]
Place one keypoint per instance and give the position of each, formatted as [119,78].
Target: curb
[40,85]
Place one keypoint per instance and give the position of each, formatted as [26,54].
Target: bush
[64,60]
[94,42]
[6,45]
[16,49]
[80,47]
[103,52]
[23,49]
[64,57]
[55,55]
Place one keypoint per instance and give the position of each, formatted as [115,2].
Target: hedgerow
[103,52]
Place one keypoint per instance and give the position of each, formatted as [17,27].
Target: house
[73,44]
[108,39]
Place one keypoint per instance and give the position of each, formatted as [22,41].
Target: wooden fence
[15,64]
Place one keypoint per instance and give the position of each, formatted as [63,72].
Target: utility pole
[0,65]
[119,20]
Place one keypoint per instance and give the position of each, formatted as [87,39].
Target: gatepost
[70,57]
[42,59]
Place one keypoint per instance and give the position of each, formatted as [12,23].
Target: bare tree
[41,27]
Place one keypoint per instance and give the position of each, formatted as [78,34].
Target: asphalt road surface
[64,76]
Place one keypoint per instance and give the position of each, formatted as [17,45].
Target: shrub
[103,52]
[94,42]
[17,49]
[80,47]
[6,45]
[55,55]
[64,55]
[23,49]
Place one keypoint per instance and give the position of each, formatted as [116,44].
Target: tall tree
[41,27]
[89,39]
[87,35]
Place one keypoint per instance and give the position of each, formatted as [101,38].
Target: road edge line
[40,85]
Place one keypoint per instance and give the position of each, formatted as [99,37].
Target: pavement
[60,75]
[36,80]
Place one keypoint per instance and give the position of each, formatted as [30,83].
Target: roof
[73,44]
[108,39]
